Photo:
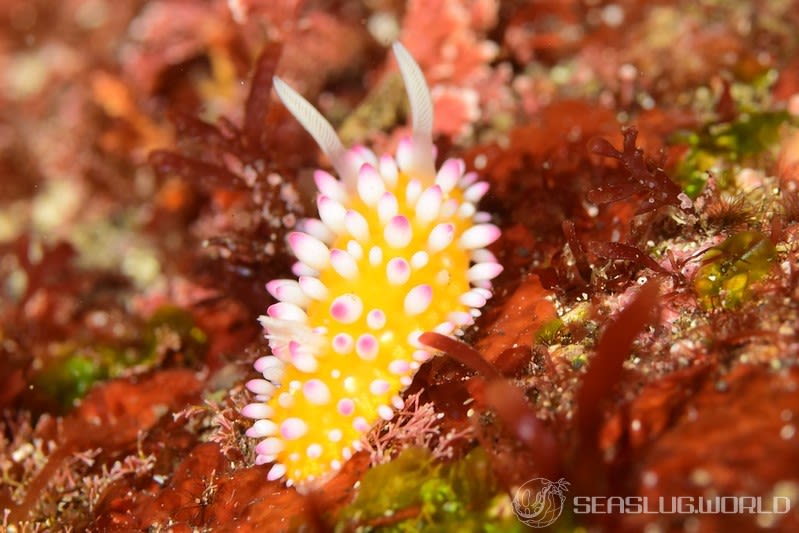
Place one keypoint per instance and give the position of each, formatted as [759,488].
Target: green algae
[722,148]
[729,269]
[415,493]
[73,368]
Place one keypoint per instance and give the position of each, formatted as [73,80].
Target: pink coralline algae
[455,55]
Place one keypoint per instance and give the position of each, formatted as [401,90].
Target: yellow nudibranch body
[398,249]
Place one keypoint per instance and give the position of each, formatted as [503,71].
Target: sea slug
[399,249]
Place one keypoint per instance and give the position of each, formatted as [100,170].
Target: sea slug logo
[539,502]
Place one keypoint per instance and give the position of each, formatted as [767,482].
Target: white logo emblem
[539,502]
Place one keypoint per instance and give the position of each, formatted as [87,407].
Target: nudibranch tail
[398,249]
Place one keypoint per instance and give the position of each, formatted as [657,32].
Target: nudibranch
[399,249]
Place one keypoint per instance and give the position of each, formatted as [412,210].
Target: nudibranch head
[398,249]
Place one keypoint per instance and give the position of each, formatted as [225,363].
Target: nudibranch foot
[398,249]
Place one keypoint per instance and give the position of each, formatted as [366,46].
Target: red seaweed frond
[604,374]
[246,173]
[643,176]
